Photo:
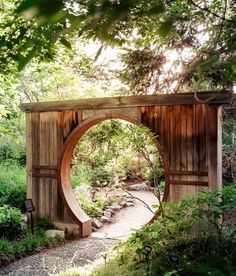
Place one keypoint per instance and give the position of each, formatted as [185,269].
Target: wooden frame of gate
[188,130]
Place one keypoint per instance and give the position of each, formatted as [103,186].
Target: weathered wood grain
[188,138]
[222,97]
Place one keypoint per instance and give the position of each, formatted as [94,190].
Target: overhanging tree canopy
[31,28]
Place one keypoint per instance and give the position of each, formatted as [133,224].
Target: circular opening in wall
[116,174]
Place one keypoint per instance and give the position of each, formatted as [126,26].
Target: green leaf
[234,67]
[165,28]
[66,43]
[98,52]
[157,9]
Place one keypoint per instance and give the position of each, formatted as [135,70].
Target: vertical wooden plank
[60,141]
[53,161]
[183,153]
[43,193]
[214,150]
[29,155]
[190,190]
[35,159]
[174,189]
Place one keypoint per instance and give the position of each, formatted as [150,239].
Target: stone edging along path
[52,261]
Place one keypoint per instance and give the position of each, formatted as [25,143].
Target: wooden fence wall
[188,134]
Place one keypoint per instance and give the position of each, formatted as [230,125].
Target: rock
[115,207]
[94,229]
[96,223]
[139,187]
[71,228]
[123,204]
[129,204]
[55,233]
[105,219]
[111,210]
[107,214]
[130,200]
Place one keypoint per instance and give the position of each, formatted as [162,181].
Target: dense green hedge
[191,239]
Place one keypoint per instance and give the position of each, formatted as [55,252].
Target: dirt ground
[128,219]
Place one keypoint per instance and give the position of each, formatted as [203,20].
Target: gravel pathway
[86,250]
[76,253]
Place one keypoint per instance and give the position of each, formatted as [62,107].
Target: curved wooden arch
[187,128]
[65,187]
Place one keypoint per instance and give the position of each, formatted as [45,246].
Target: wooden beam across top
[208,97]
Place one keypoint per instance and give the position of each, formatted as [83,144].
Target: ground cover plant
[12,185]
[17,241]
[193,238]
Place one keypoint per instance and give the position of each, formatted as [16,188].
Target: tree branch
[211,12]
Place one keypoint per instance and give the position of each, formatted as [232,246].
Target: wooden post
[214,147]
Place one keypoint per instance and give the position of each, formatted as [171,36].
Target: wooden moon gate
[188,138]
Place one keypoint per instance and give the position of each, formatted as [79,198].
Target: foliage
[192,239]
[12,185]
[10,222]
[229,143]
[94,208]
[112,151]
[33,29]
[44,224]
[11,251]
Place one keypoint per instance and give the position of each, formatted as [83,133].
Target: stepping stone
[107,214]
[105,219]
[96,223]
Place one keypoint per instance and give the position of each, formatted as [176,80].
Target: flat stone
[130,200]
[96,223]
[123,204]
[111,210]
[129,204]
[105,219]
[115,207]
[107,214]
[55,233]
[71,228]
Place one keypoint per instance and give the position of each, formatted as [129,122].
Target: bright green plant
[191,239]
[10,222]
[12,185]
[10,251]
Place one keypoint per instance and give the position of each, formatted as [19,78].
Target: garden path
[86,250]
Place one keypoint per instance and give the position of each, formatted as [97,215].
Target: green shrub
[12,185]
[13,153]
[191,239]
[10,251]
[161,178]
[10,222]
[44,224]
[93,208]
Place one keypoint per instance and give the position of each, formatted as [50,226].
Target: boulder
[96,223]
[55,233]
[71,228]
[105,219]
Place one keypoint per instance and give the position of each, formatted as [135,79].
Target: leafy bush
[12,152]
[12,185]
[10,222]
[93,208]
[44,224]
[190,239]
[160,175]
[10,251]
